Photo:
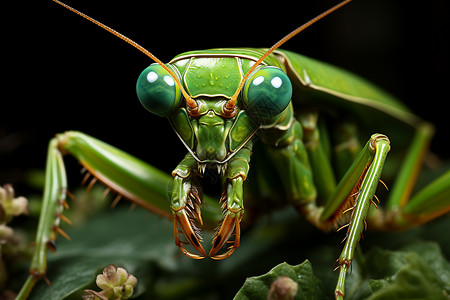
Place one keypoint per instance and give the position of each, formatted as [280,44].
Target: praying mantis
[316,215]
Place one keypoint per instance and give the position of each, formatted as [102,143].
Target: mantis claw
[230,224]
[185,205]
[191,233]
[233,211]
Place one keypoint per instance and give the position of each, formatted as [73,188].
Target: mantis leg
[319,157]
[429,203]
[360,182]
[53,204]
[298,154]
[128,176]
[233,205]
[290,156]
[185,205]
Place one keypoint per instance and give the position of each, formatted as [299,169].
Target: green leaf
[422,274]
[308,285]
[434,257]
[415,280]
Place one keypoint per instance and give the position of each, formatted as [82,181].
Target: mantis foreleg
[233,203]
[185,204]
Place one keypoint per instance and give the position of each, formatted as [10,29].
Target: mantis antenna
[229,106]
[190,102]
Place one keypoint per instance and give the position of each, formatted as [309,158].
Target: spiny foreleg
[233,204]
[185,204]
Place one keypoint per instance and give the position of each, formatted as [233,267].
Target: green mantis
[225,104]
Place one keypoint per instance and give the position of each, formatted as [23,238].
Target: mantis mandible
[218,101]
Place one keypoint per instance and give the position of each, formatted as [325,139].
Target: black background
[64,73]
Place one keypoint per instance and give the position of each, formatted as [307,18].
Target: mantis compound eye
[157,91]
[267,92]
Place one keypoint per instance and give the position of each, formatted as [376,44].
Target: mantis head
[210,131]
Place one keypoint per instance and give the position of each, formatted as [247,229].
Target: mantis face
[212,134]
